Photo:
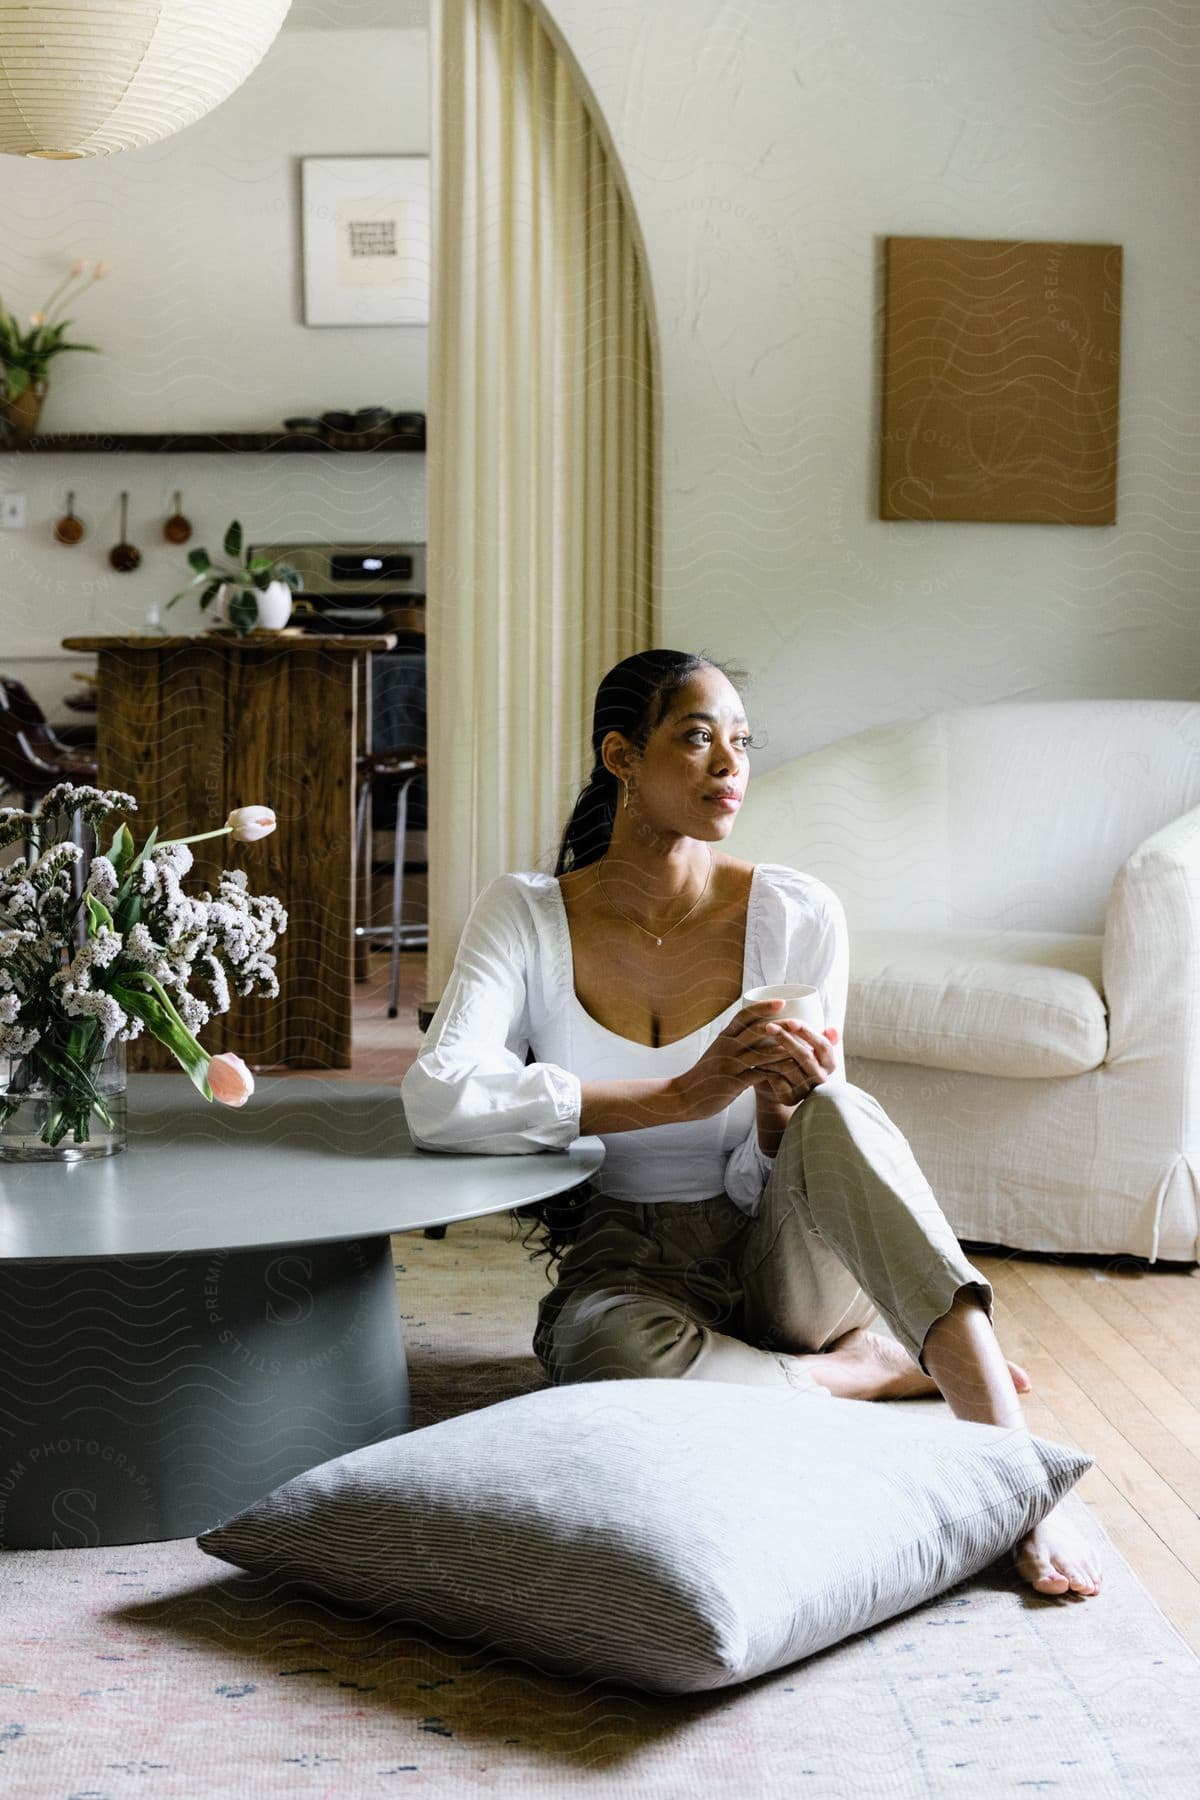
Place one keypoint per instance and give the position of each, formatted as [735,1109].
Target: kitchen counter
[195,725]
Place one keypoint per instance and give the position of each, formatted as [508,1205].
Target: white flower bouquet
[80,973]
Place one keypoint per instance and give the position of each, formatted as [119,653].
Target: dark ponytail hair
[633,698]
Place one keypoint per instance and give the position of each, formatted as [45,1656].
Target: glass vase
[44,1120]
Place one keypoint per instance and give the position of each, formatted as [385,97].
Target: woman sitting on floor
[755,1211]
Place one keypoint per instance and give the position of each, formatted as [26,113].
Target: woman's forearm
[631,1105]
[634,1105]
[772,1123]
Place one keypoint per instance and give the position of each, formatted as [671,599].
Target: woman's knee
[616,1336]
[833,1097]
[829,1100]
[836,1109]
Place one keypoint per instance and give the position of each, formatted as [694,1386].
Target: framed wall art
[366,244]
[1001,372]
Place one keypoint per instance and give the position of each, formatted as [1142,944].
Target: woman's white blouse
[512,990]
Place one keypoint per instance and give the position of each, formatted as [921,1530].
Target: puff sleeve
[803,938]
[471,1089]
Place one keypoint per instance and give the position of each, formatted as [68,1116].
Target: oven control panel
[352,588]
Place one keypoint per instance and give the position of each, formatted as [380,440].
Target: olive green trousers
[847,1233]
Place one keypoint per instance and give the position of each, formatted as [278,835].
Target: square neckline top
[636,1043]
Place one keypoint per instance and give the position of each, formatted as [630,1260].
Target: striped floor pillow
[667,1535]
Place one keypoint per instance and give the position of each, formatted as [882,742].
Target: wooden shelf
[301,641]
[177,443]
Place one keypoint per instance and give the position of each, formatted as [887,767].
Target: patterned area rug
[149,1671]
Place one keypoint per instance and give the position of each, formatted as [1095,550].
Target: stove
[358,588]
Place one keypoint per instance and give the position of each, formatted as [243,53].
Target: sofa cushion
[1018,1003]
[675,1535]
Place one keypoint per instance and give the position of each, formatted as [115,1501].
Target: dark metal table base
[152,1397]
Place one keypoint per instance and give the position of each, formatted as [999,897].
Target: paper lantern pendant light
[99,76]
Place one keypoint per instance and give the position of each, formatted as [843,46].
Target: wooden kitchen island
[194,726]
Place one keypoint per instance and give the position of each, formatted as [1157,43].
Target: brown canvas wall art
[1001,365]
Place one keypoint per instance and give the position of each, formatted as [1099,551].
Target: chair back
[33,759]
[21,720]
[16,699]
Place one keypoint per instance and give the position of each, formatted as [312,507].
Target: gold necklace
[712,861]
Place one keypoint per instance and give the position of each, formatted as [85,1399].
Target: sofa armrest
[1151,962]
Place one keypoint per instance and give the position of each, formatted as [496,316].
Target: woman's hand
[751,1046]
[812,1062]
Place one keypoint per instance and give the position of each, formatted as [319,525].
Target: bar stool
[403,767]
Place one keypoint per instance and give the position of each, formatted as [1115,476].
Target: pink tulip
[80,266]
[100,270]
[247,824]
[230,1080]
[37,318]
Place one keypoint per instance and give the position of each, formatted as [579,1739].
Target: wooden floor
[1112,1346]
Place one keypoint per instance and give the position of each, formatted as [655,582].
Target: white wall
[770,146]
[200,325]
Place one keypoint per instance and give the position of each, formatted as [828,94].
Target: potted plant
[252,590]
[26,354]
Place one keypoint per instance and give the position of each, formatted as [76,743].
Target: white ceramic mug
[802,1003]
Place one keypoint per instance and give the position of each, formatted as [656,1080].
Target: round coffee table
[189,1323]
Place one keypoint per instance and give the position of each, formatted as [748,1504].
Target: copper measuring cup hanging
[124,556]
[177,529]
[69,529]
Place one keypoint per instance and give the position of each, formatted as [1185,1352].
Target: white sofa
[1022,887]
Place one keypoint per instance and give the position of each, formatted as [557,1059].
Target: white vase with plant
[252,592]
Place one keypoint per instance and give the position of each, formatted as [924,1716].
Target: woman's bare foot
[962,1347]
[865,1365]
[1055,1559]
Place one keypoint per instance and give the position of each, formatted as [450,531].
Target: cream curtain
[541,464]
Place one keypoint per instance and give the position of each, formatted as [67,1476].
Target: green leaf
[199,560]
[82,1037]
[17,380]
[163,1021]
[144,852]
[71,1074]
[98,914]
[242,612]
[210,593]
[233,539]
[121,849]
[293,577]
[200,576]
[259,562]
